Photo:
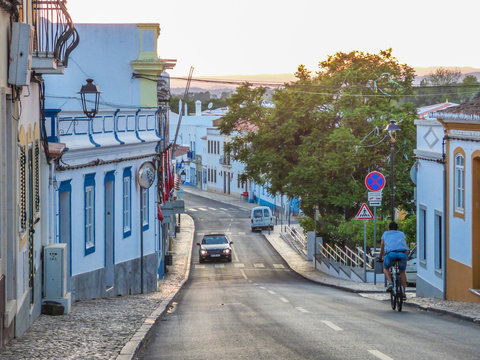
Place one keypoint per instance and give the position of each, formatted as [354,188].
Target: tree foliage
[325,133]
[444,85]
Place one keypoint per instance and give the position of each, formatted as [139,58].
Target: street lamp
[392,129]
[90,93]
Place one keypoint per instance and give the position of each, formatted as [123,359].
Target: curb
[138,340]
[444,312]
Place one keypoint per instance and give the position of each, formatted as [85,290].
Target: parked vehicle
[411,270]
[215,247]
[261,218]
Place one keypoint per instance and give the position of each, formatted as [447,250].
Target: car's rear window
[266,213]
[257,213]
[210,240]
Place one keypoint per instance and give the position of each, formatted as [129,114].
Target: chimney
[198,108]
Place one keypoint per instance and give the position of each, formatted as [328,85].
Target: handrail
[337,256]
[358,256]
[326,250]
[293,233]
[368,256]
[343,252]
[55,34]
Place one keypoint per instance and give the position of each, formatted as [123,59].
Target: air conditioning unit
[55,275]
[20,54]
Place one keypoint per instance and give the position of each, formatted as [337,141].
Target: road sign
[375,181]
[374,196]
[375,203]
[364,213]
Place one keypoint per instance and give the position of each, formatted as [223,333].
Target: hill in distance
[228,83]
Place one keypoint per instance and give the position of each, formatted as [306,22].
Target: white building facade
[115,244]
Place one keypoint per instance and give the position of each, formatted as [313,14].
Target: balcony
[224,160]
[191,155]
[54,36]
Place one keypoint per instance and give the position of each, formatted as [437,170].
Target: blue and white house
[431,202]
[97,207]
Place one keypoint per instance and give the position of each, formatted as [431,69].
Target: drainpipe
[52,211]
[445,194]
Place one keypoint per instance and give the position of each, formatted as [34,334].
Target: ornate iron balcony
[55,36]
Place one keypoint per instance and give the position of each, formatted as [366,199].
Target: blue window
[144,209]
[89,191]
[127,202]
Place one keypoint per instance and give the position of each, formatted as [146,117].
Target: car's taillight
[271,219]
[251,221]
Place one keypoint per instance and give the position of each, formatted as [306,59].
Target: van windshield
[257,213]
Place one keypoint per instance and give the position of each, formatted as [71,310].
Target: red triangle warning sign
[364,213]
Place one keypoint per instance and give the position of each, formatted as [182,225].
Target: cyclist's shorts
[393,255]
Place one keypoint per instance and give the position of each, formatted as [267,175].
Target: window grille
[23,189]
[36,165]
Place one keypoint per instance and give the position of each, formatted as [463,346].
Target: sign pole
[374,243]
[365,250]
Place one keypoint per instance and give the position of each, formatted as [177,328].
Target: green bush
[350,233]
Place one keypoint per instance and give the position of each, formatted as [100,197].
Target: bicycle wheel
[393,301]
[399,295]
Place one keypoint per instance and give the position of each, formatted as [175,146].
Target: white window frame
[459,183]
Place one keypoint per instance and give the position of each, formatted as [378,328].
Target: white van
[261,218]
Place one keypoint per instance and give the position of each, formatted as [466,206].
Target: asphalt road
[257,308]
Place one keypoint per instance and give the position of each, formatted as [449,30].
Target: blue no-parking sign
[375,181]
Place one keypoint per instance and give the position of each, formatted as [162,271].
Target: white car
[411,270]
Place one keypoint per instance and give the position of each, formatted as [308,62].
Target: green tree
[324,133]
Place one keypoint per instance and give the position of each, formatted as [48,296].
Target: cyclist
[394,246]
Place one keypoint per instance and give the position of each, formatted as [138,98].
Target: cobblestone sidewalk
[111,328]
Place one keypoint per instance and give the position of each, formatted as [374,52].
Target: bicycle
[396,294]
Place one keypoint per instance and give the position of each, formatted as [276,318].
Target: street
[257,308]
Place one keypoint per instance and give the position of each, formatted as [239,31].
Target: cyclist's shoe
[389,287]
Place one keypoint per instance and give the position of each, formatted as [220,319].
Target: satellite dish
[210,105]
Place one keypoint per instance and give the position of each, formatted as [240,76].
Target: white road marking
[278,266]
[271,292]
[212,209]
[301,309]
[258,265]
[219,265]
[379,355]
[200,266]
[244,275]
[263,288]
[250,281]
[242,233]
[235,257]
[223,209]
[192,210]
[255,284]
[284,300]
[239,265]
[332,325]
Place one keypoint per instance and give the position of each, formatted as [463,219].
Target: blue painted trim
[53,115]
[146,227]
[127,172]
[90,131]
[136,126]
[109,176]
[115,126]
[66,186]
[89,181]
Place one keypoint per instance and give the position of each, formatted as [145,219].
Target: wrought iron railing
[55,35]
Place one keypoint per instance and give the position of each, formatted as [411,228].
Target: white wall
[104,54]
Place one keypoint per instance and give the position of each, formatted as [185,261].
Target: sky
[229,37]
